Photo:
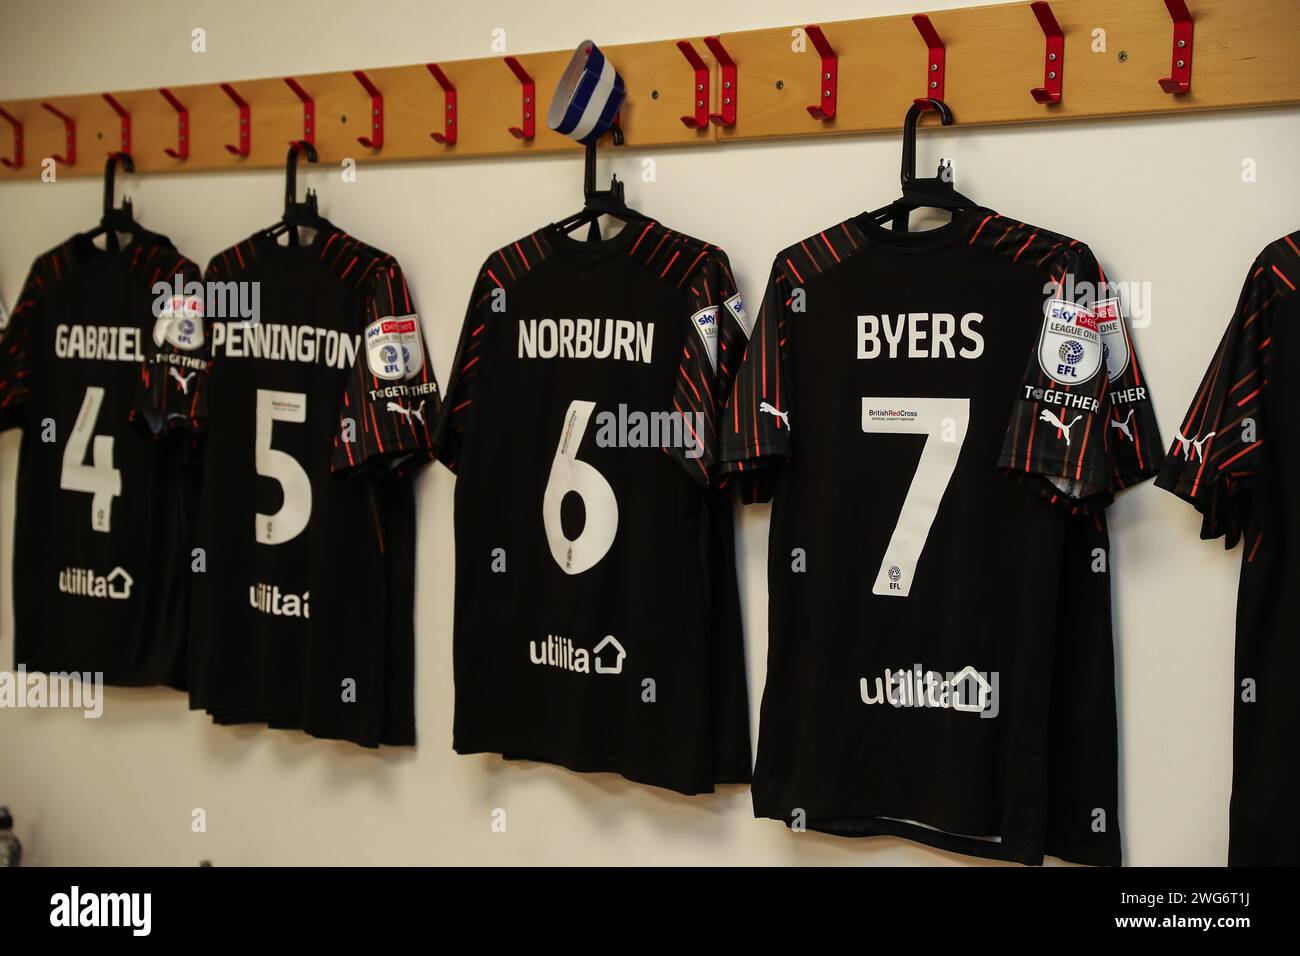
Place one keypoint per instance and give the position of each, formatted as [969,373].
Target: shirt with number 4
[102,517]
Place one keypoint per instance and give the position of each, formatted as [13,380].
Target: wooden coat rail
[994,65]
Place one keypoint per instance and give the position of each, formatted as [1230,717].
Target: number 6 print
[928,417]
[600,507]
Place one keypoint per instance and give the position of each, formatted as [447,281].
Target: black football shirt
[597,616]
[315,398]
[103,513]
[945,408]
[1232,460]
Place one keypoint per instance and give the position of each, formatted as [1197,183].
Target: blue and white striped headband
[588,96]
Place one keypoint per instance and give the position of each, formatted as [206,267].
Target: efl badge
[737,308]
[393,347]
[1114,337]
[706,324]
[180,322]
[1069,349]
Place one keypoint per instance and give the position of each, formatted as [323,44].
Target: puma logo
[408,413]
[1187,444]
[1048,415]
[1123,425]
[784,416]
[182,380]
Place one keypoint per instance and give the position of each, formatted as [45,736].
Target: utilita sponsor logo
[132,911]
[269,599]
[115,585]
[607,656]
[967,691]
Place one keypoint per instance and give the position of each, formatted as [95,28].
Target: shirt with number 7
[928,412]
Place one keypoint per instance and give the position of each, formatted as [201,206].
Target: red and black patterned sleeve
[15,337]
[391,404]
[178,350]
[1058,436]
[711,352]
[1136,448]
[1217,450]
[486,302]
[755,426]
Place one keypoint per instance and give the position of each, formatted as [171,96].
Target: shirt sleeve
[711,351]
[15,337]
[1217,449]
[466,369]
[1133,434]
[391,403]
[755,425]
[173,391]
[1077,391]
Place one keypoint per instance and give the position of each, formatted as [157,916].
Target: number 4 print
[599,506]
[100,479]
[943,422]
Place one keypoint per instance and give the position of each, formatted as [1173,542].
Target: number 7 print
[930,483]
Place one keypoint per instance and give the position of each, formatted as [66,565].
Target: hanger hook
[291,168]
[908,172]
[110,176]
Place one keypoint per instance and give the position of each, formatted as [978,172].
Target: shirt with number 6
[597,612]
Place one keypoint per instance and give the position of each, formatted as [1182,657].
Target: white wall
[1161,200]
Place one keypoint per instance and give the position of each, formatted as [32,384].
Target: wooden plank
[657,76]
[1245,55]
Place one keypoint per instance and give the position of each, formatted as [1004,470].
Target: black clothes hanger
[117,219]
[936,193]
[298,214]
[599,202]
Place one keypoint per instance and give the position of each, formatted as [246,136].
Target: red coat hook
[529,127]
[1179,79]
[935,63]
[699,88]
[69,135]
[825,109]
[125,119]
[729,82]
[376,138]
[182,126]
[245,123]
[1054,67]
[17,161]
[448,136]
[308,112]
